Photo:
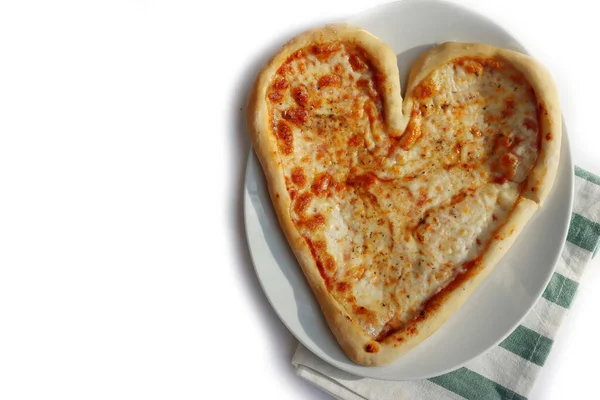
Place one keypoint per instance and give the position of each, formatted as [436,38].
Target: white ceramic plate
[501,301]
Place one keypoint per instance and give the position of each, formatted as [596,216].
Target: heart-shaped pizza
[396,210]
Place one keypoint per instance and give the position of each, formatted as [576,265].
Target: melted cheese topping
[392,221]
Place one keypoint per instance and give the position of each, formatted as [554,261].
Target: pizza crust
[356,343]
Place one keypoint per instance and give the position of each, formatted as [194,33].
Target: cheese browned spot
[296,115]
[313,222]
[530,124]
[394,223]
[280,83]
[286,138]
[321,184]
[298,176]
[275,96]
[330,80]
[372,347]
[302,202]
[357,64]
[300,95]
[324,51]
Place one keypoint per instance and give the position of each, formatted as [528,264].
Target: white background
[124,271]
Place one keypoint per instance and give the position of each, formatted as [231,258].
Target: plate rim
[567,163]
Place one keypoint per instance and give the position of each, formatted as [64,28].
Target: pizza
[397,209]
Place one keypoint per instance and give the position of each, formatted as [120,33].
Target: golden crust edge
[349,335]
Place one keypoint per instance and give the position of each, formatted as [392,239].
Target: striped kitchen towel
[508,370]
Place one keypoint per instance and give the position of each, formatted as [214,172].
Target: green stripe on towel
[471,385]
[528,344]
[588,176]
[561,290]
[583,232]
